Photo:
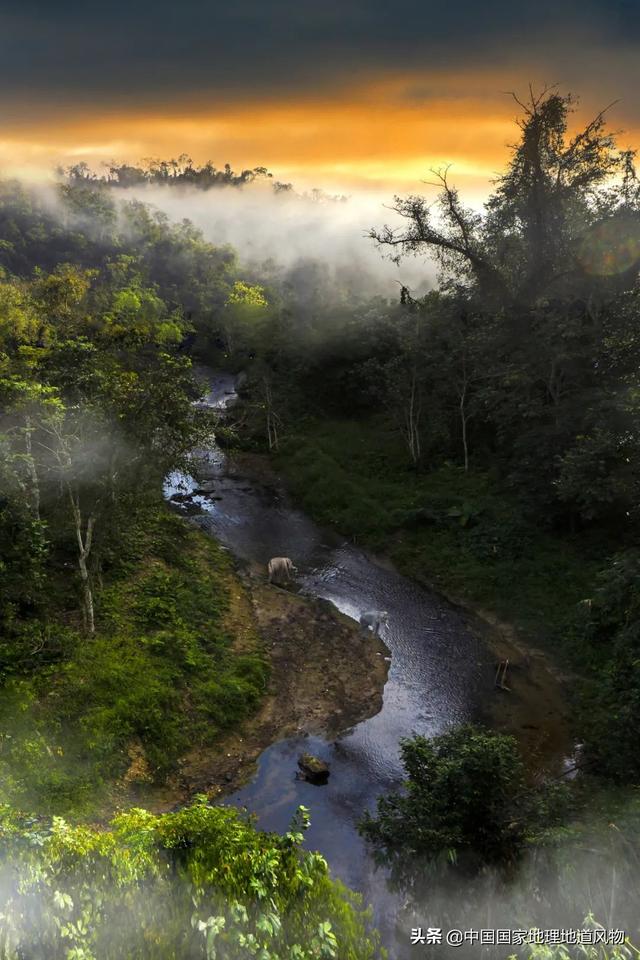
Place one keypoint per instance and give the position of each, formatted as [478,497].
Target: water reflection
[438,671]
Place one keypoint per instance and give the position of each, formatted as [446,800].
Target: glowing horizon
[381,135]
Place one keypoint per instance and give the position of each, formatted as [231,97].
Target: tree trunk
[412,423]
[554,389]
[271,416]
[87,595]
[464,420]
[34,483]
[272,432]
[84,549]
[229,343]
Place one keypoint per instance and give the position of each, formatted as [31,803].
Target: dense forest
[484,436]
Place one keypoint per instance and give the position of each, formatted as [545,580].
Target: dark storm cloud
[146,52]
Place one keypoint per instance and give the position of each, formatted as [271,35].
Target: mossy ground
[174,662]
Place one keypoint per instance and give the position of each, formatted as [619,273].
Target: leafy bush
[609,629]
[465,799]
[598,475]
[160,674]
[200,883]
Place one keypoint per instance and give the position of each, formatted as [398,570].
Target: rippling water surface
[439,669]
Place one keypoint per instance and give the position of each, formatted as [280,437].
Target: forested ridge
[484,436]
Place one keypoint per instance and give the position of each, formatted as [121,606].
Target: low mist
[287,227]
[588,880]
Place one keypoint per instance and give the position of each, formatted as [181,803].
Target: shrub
[465,799]
[609,630]
[202,882]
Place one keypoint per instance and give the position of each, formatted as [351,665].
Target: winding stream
[439,672]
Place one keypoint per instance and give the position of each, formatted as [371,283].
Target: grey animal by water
[281,570]
[373,620]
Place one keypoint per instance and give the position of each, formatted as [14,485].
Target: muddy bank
[326,676]
[535,707]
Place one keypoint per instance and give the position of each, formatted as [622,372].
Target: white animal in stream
[281,569]
[374,619]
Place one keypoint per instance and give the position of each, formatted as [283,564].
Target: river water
[440,671]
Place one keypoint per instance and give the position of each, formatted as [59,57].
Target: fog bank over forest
[286,227]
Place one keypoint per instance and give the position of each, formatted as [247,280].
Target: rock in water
[313,769]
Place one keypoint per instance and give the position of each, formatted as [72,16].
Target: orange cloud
[382,135]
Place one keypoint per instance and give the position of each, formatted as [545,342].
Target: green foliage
[23,554]
[607,631]
[243,294]
[496,454]
[96,409]
[201,883]
[465,800]
[174,172]
[523,364]
[584,867]
[244,317]
[337,498]
[97,232]
[542,951]
[600,474]
[160,676]
[464,531]
[112,616]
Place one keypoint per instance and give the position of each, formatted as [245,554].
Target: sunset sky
[352,95]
